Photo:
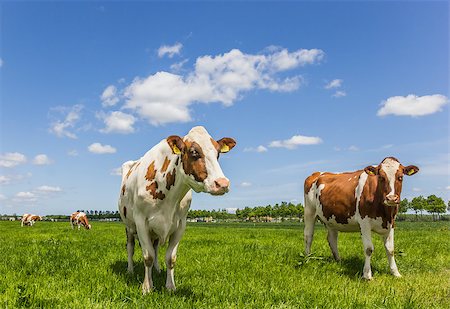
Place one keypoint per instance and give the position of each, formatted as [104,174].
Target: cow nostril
[392,198]
[221,183]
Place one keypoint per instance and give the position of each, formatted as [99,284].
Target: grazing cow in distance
[79,218]
[366,200]
[28,219]
[156,194]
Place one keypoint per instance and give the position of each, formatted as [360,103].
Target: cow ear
[410,170]
[226,144]
[371,170]
[176,144]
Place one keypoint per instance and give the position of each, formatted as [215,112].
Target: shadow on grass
[159,279]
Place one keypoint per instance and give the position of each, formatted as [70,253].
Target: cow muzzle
[221,186]
[392,200]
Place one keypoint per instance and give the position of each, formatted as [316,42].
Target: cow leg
[21,223]
[310,219]
[389,246]
[130,249]
[148,253]
[71,224]
[332,241]
[171,255]
[156,262]
[366,235]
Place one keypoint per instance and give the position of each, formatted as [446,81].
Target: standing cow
[28,219]
[366,200]
[79,218]
[156,194]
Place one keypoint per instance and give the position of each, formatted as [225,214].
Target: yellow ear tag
[224,148]
[176,150]
[411,171]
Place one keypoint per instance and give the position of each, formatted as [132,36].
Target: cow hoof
[130,271]
[146,288]
[170,288]
[396,274]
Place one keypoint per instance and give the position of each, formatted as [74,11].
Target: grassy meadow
[222,266]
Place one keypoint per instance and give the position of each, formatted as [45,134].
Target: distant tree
[404,206]
[435,205]
[448,205]
[418,203]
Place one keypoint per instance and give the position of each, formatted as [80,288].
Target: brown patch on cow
[151,172]
[170,178]
[165,165]
[123,189]
[338,195]
[369,251]
[194,161]
[131,168]
[124,211]
[153,188]
[310,180]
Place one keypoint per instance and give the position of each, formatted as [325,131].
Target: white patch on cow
[390,167]
[359,188]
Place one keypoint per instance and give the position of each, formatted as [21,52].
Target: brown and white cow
[366,200]
[156,194]
[79,218]
[28,219]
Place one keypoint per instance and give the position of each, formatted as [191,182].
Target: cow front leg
[171,256]
[366,235]
[332,241]
[130,249]
[389,246]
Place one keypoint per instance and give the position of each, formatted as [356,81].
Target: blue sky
[301,86]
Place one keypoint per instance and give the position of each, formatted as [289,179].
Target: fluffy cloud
[48,189]
[61,128]
[72,153]
[118,122]
[41,159]
[166,97]
[116,171]
[179,65]
[335,83]
[413,105]
[11,159]
[296,141]
[101,149]
[259,149]
[25,197]
[109,96]
[246,184]
[339,94]
[170,51]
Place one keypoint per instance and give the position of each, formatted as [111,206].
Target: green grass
[222,266]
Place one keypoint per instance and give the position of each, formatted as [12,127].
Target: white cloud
[11,159]
[48,189]
[12,179]
[416,189]
[25,197]
[60,128]
[118,122]
[116,171]
[166,97]
[353,148]
[72,153]
[246,184]
[109,96]
[447,188]
[101,149]
[41,159]
[259,149]
[339,94]
[170,51]
[176,67]
[413,105]
[295,141]
[335,83]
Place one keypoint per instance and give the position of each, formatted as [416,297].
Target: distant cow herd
[156,193]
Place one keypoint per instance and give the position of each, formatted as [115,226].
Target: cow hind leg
[332,241]
[389,246]
[310,220]
[148,253]
[156,262]
[368,250]
[130,249]
[171,256]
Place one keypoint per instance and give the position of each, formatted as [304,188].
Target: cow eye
[195,154]
[400,178]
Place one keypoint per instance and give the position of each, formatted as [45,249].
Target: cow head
[199,154]
[390,177]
